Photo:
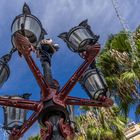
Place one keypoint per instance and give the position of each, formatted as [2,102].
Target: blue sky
[58,16]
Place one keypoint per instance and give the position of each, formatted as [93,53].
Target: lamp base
[55,122]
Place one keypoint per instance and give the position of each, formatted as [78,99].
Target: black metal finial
[84,23]
[26,9]
[63,36]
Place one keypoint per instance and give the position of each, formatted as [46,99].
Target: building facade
[132,132]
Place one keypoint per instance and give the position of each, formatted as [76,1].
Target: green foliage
[35,138]
[129,76]
[121,70]
[102,124]
[120,42]
[84,108]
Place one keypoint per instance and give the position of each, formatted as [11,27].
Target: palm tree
[101,124]
[121,69]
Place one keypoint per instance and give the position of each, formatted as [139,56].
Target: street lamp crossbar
[19,103]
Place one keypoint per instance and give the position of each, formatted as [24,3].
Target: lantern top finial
[26,10]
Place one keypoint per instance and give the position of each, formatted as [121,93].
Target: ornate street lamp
[51,110]
[14,117]
[79,37]
[29,26]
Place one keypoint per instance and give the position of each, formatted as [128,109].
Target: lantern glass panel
[32,28]
[4,73]
[79,38]
[94,83]
[14,117]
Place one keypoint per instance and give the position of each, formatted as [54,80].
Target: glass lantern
[28,25]
[14,117]
[79,37]
[4,72]
[94,84]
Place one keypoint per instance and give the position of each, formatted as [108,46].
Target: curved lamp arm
[90,56]
[25,47]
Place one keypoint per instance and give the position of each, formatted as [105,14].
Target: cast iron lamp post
[51,110]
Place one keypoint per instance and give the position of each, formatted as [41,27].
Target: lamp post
[51,110]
